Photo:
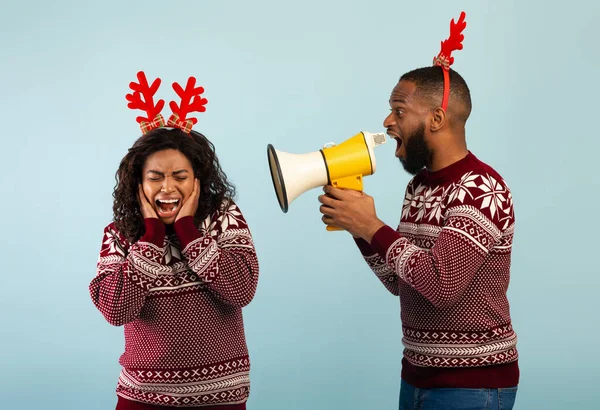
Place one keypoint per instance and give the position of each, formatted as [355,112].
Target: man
[449,258]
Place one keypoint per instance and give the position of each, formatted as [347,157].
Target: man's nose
[389,120]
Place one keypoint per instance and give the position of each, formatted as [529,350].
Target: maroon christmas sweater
[179,293]
[448,260]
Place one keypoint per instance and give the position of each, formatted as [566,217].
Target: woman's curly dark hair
[215,189]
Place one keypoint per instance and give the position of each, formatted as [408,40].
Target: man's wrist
[371,230]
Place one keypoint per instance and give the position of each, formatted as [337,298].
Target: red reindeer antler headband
[444,59]
[191,100]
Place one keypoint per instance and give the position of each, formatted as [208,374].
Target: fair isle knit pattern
[449,261]
[179,295]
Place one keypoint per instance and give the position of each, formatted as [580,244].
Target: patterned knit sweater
[179,292]
[449,263]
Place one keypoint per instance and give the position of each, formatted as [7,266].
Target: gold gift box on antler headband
[191,100]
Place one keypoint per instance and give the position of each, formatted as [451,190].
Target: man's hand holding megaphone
[353,211]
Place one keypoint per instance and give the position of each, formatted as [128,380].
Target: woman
[176,267]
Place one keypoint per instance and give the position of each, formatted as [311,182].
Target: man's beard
[418,154]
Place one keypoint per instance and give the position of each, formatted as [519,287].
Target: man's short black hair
[430,86]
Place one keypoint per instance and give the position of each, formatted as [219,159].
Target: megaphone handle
[354,182]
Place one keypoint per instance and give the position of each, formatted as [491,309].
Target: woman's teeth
[167,205]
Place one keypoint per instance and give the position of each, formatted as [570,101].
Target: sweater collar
[450,172]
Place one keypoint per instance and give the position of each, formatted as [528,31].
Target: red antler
[191,100]
[454,42]
[147,104]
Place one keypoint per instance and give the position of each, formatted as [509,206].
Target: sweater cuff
[155,232]
[364,247]
[383,239]
[186,231]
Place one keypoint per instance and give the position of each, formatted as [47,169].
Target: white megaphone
[341,165]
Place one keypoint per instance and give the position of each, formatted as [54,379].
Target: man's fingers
[353,193]
[327,211]
[327,200]
[327,220]
[342,193]
[333,191]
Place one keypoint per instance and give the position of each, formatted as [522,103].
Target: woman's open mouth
[167,207]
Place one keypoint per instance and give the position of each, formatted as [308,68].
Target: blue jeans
[412,398]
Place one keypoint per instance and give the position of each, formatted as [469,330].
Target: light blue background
[323,333]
